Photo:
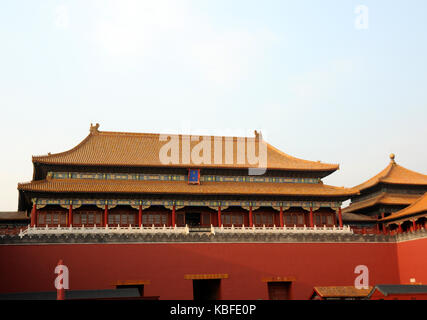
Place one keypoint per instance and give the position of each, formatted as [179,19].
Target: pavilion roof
[394,174]
[142,149]
[13,215]
[419,206]
[382,198]
[354,217]
[392,289]
[182,187]
[342,292]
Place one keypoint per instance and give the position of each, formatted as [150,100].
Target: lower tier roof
[417,207]
[182,187]
[382,198]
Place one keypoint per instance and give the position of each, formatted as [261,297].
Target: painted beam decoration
[175,177]
[145,203]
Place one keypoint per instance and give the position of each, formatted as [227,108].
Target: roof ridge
[156,135]
[390,167]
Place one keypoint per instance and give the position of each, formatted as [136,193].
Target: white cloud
[61,17]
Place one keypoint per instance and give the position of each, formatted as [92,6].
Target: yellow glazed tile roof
[182,187]
[142,149]
[13,215]
[382,198]
[395,174]
[419,206]
[341,291]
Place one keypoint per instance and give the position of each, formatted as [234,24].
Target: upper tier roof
[394,174]
[143,149]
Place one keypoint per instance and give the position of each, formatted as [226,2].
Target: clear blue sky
[299,71]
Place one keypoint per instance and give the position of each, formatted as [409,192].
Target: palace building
[117,179]
[186,217]
[390,191]
[411,218]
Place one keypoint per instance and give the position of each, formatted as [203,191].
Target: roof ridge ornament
[94,128]
[258,135]
[392,156]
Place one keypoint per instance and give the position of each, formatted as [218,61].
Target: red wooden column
[173,216]
[311,218]
[33,216]
[251,222]
[219,216]
[140,216]
[400,228]
[70,216]
[382,217]
[414,225]
[281,217]
[60,293]
[340,217]
[106,215]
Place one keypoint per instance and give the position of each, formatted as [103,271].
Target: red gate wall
[412,260]
[25,268]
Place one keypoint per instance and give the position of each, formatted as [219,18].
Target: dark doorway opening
[192,219]
[207,289]
[279,290]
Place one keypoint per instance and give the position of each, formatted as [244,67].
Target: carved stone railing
[274,229]
[30,231]
[58,231]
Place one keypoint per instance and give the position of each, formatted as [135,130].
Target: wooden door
[279,290]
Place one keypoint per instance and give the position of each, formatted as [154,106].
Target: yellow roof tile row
[182,187]
[382,198]
[341,291]
[419,206]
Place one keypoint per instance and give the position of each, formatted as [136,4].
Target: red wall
[96,266]
[412,260]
